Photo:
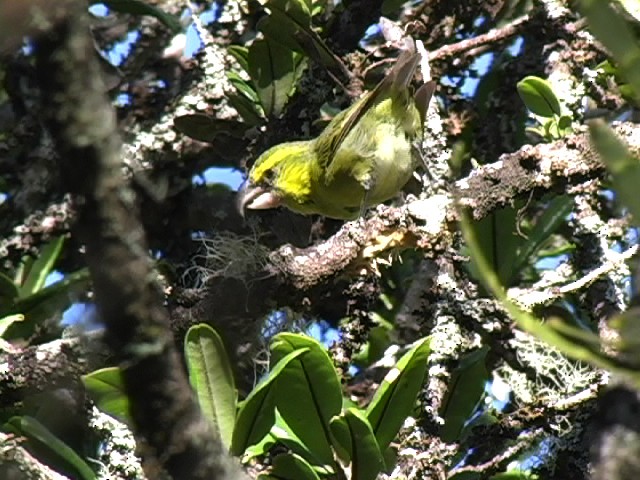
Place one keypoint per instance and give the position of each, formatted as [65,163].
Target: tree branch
[128,299]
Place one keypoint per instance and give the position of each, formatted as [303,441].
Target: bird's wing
[397,80]
[422,98]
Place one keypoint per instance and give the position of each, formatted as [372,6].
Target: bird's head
[280,176]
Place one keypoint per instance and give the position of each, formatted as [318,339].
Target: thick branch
[565,165]
[129,301]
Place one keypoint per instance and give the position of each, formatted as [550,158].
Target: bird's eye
[269,176]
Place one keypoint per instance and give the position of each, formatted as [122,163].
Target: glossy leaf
[256,415]
[243,87]
[577,343]
[285,435]
[354,433]
[290,466]
[35,431]
[46,303]
[272,69]
[138,7]
[308,392]
[538,96]
[106,389]
[297,10]
[616,35]
[41,267]
[277,27]
[395,398]
[211,377]
[465,389]
[555,214]
[258,449]
[391,6]
[241,54]
[499,240]
[9,320]
[8,289]
[250,112]
[289,24]
[621,164]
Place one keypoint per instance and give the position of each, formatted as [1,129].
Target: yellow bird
[364,156]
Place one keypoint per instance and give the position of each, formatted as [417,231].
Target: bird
[362,158]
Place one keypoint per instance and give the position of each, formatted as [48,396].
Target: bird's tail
[402,72]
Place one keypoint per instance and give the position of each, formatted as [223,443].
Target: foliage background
[102,190]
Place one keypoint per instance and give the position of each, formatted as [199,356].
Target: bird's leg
[363,205]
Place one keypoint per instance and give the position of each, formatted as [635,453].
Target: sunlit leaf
[46,303]
[538,96]
[308,392]
[211,377]
[617,36]
[465,389]
[106,389]
[554,215]
[395,398]
[272,69]
[41,267]
[290,466]
[623,167]
[241,54]
[35,431]
[355,435]
[256,415]
[138,7]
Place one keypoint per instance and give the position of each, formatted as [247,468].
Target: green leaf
[396,396]
[499,239]
[290,467]
[259,449]
[538,96]
[106,389]
[243,87]
[137,7]
[308,392]
[277,27]
[297,10]
[617,36]
[627,340]
[623,167]
[241,54]
[464,391]
[555,214]
[283,434]
[211,377]
[289,24]
[35,431]
[250,112]
[8,289]
[9,320]
[574,342]
[355,436]
[256,414]
[272,68]
[46,303]
[41,267]
[378,341]
[564,125]
[391,6]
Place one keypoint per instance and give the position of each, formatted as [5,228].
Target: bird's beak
[255,197]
